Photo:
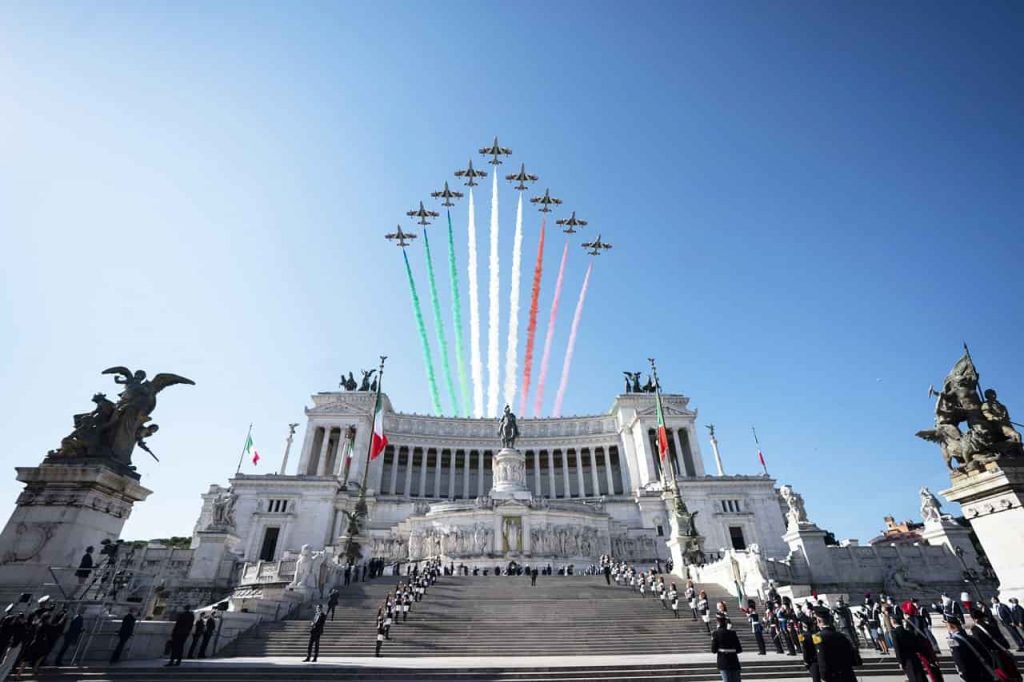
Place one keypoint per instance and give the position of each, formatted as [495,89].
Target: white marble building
[602,470]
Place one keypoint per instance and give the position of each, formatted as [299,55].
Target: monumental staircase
[482,617]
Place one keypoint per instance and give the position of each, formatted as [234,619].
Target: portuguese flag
[662,433]
[379,440]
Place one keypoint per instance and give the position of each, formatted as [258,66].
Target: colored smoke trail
[512,345]
[493,320]
[442,340]
[571,345]
[460,360]
[435,399]
[475,365]
[531,329]
[550,335]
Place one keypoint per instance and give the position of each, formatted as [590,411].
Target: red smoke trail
[549,336]
[531,331]
[571,345]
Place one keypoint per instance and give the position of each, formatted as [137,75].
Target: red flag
[760,456]
[662,432]
[379,441]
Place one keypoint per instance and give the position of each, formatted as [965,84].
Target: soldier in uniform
[807,626]
[726,643]
[836,656]
[969,655]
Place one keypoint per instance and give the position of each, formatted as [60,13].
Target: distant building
[905,533]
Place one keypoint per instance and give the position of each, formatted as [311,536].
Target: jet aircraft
[422,214]
[496,151]
[546,202]
[401,238]
[447,195]
[570,224]
[470,174]
[522,177]
[596,247]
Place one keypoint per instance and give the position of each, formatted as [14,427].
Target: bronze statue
[349,383]
[365,386]
[111,431]
[508,429]
[649,386]
[632,382]
[990,433]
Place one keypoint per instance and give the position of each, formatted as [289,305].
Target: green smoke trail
[442,341]
[457,321]
[435,398]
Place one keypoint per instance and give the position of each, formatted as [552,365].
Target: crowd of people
[829,638]
[27,637]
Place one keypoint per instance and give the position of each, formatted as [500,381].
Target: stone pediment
[671,407]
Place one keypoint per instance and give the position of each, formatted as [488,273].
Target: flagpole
[760,455]
[248,434]
[657,394]
[360,510]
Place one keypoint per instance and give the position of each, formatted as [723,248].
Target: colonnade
[446,473]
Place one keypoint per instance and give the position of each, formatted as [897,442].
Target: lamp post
[969,574]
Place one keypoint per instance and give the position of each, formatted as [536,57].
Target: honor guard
[836,656]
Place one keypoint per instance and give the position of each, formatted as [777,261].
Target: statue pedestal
[214,557]
[807,544]
[510,476]
[63,509]
[993,502]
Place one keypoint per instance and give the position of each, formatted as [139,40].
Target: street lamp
[970,575]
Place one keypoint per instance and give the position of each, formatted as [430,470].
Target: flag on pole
[379,441]
[250,449]
[760,456]
[662,432]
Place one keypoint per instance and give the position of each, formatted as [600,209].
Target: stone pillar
[579,472]
[536,473]
[946,531]
[552,491]
[438,455]
[812,562]
[718,456]
[63,509]
[452,454]
[993,503]
[567,493]
[592,454]
[213,556]
[395,452]
[466,458]
[608,469]
[480,483]
[307,449]
[321,464]
[423,472]
[408,470]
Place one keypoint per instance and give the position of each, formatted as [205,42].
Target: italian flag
[662,433]
[379,440]
[250,449]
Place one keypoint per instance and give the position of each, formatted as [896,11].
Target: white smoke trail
[493,320]
[570,347]
[512,345]
[475,365]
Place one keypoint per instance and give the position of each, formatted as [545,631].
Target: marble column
[537,473]
[423,472]
[465,475]
[680,460]
[565,473]
[321,465]
[408,471]
[552,493]
[608,469]
[480,482]
[592,453]
[451,473]
[437,472]
[579,471]
[394,470]
[307,451]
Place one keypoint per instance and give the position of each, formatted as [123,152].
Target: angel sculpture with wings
[113,430]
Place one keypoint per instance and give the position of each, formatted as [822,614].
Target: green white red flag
[379,440]
[250,449]
[662,432]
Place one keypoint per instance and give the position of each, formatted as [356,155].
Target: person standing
[726,644]
[533,577]
[348,574]
[179,635]
[607,573]
[316,628]
[197,635]
[987,632]
[85,566]
[332,602]
[969,655]
[124,633]
[756,626]
[211,627]
[1004,615]
[906,645]
[71,637]
[836,656]
[704,609]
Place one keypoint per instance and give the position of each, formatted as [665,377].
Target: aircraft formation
[462,403]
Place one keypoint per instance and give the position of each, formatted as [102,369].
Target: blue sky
[812,205]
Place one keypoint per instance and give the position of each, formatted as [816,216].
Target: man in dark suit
[332,602]
[211,627]
[124,633]
[316,628]
[968,653]
[726,644]
[197,635]
[836,656]
[179,635]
